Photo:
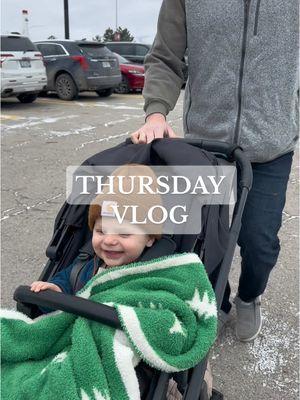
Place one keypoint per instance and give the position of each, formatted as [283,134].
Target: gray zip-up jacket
[243,71]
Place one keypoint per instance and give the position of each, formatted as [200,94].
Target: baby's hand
[39,285]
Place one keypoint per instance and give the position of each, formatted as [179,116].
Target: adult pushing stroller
[215,245]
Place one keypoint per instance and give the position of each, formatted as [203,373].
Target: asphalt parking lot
[41,139]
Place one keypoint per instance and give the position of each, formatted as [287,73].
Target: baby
[114,243]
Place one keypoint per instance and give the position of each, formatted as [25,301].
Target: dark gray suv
[135,52]
[77,66]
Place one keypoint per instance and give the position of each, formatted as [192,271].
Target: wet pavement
[41,139]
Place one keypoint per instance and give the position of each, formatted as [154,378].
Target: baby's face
[114,245]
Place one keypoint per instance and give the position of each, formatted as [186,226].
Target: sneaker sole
[252,337]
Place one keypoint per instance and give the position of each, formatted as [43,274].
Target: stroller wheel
[216,395]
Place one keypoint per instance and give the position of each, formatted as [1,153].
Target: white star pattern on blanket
[154,306]
[60,357]
[97,394]
[202,307]
[177,327]
[57,359]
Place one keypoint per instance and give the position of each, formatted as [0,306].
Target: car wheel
[65,87]
[123,87]
[104,92]
[43,93]
[27,97]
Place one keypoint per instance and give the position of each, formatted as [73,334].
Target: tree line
[110,35]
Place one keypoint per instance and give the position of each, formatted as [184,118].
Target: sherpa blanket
[168,313]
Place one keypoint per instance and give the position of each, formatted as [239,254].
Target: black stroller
[72,240]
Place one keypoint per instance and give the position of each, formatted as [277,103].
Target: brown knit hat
[126,190]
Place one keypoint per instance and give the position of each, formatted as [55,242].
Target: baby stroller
[72,240]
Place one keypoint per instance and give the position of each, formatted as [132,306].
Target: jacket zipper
[256,17]
[188,108]
[238,119]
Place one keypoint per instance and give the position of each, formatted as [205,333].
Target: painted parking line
[73,103]
[60,102]
[135,96]
[35,121]
[10,117]
[110,105]
[79,101]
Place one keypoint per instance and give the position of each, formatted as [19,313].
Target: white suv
[23,73]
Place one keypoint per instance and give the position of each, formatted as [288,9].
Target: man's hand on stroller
[39,285]
[155,127]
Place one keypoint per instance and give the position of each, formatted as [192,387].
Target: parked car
[23,73]
[133,76]
[75,66]
[134,52]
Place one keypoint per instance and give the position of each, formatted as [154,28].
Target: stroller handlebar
[233,152]
[71,304]
[212,145]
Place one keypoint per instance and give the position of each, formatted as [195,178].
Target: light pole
[66,17]
[116,15]
[25,22]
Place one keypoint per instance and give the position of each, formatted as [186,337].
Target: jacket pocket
[256,17]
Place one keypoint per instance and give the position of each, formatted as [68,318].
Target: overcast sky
[87,17]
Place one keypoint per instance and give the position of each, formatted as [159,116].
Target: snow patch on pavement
[105,139]
[8,213]
[33,121]
[272,352]
[126,117]
[71,132]
[110,106]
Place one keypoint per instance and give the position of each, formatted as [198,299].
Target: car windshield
[122,60]
[96,51]
[14,43]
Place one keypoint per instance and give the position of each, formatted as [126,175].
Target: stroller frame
[189,382]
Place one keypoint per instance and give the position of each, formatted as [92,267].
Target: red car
[133,76]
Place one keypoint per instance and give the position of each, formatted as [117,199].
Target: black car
[136,52]
[77,66]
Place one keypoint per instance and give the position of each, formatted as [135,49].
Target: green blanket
[168,313]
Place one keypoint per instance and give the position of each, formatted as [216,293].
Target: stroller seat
[71,240]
